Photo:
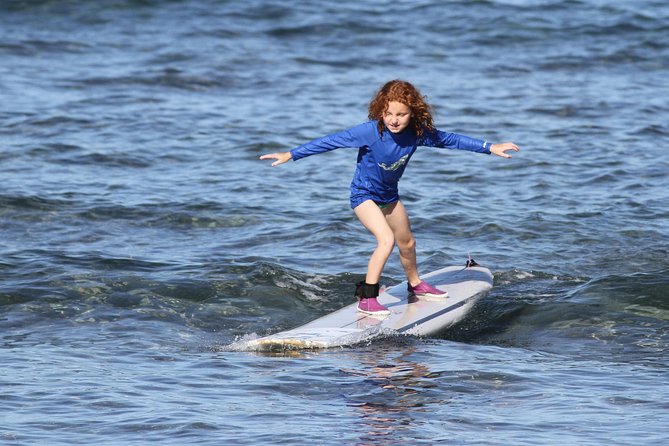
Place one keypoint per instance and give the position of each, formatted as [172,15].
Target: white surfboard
[421,316]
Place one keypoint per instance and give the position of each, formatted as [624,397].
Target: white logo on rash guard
[396,165]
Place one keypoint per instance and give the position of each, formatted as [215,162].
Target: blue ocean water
[141,235]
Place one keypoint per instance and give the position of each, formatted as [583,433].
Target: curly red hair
[405,93]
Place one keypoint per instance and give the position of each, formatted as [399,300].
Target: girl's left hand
[280,158]
[501,149]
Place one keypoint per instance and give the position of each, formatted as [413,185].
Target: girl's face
[397,116]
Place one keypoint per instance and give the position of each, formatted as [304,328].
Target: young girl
[400,121]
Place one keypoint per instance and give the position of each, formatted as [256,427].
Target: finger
[268,156]
[279,160]
[501,152]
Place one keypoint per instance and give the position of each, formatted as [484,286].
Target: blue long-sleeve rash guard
[382,158]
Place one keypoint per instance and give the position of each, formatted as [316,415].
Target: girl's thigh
[374,220]
[398,220]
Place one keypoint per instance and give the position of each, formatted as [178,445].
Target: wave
[77,210]
[165,77]
[31,48]
[595,318]
[202,295]
[236,297]
[21,202]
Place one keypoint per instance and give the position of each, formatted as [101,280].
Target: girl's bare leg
[374,220]
[398,221]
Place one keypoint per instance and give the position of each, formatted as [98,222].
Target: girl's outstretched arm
[501,149]
[280,158]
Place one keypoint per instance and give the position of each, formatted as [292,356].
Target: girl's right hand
[501,149]
[280,158]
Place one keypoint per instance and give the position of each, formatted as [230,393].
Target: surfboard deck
[413,316]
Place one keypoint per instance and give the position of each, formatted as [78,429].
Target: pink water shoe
[424,289]
[371,306]
[367,302]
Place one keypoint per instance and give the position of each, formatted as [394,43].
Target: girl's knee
[408,244]
[386,242]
